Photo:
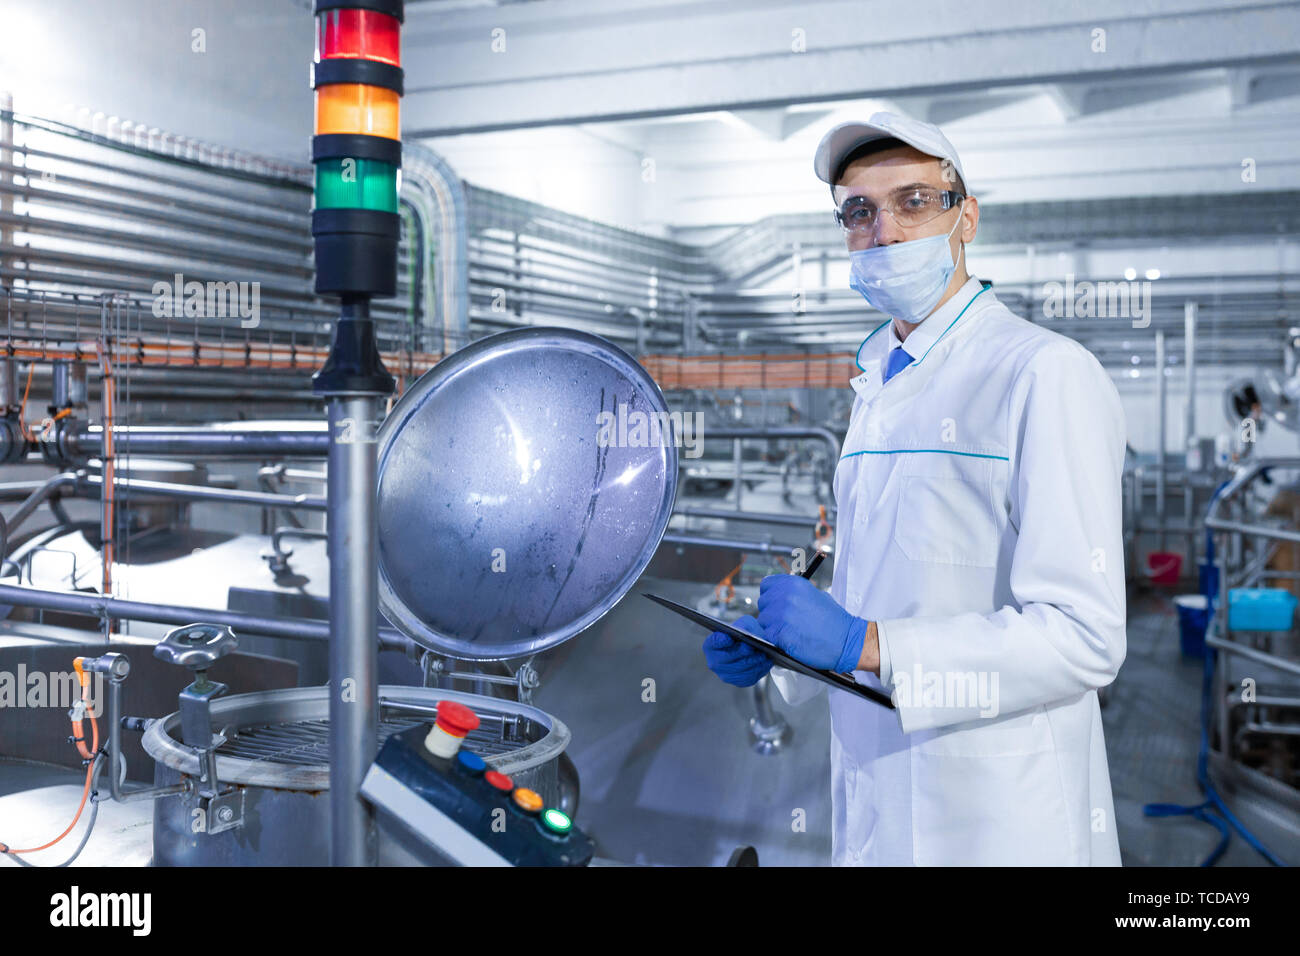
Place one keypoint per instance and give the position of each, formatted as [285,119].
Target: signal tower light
[357,152]
[357,147]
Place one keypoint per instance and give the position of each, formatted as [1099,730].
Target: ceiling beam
[571,61]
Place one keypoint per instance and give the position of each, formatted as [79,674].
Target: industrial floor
[675,782]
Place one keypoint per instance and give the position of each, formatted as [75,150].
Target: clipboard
[778,656]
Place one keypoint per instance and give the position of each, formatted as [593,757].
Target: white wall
[136,59]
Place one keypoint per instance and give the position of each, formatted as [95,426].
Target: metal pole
[354,662]
[1160,440]
[1189,431]
[6,160]
[353,381]
[1189,359]
[740,473]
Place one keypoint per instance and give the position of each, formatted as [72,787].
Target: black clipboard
[778,656]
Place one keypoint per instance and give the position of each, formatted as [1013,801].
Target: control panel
[446,799]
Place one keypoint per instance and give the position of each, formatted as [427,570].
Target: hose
[85,837]
[91,756]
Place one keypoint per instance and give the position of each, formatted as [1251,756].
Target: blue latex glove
[806,623]
[735,661]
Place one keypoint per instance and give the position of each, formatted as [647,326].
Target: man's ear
[970,218]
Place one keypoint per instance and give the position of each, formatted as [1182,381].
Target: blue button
[470,761]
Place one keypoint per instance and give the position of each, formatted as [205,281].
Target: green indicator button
[356,184]
[557,821]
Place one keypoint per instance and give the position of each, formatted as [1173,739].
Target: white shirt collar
[936,323]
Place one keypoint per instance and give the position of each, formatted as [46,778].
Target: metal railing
[1244,547]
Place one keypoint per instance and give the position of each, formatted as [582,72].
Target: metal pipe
[739,465]
[302,474]
[1189,361]
[703,541]
[1252,529]
[1160,435]
[824,435]
[758,517]
[115,750]
[308,534]
[95,605]
[1258,656]
[59,388]
[6,160]
[309,441]
[8,384]
[1189,423]
[262,499]
[1253,727]
[66,479]
[354,682]
[1266,701]
[18,490]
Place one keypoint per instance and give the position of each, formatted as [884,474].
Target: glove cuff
[853,642]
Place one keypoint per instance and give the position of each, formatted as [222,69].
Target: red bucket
[1164,567]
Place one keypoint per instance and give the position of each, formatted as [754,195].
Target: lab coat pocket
[989,793]
[947,519]
[859,810]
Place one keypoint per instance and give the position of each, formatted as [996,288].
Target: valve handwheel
[196,646]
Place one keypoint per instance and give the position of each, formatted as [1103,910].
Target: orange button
[528,800]
[499,780]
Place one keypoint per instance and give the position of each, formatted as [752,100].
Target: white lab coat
[979,526]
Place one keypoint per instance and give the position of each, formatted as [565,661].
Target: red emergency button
[457,719]
[499,780]
[454,722]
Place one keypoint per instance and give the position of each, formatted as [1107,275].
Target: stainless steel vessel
[276,754]
[524,485]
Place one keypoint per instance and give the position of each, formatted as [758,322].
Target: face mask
[905,280]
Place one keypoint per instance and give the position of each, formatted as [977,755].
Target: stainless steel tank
[276,753]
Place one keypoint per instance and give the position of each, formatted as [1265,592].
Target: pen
[813,565]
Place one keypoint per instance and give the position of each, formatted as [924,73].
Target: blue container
[1260,609]
[1193,619]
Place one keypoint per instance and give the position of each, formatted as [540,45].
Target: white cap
[846,137]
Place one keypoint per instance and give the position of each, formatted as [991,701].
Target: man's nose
[888,231]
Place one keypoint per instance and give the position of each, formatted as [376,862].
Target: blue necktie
[898,360]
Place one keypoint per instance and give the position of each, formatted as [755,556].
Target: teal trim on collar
[983,289]
[865,341]
[936,451]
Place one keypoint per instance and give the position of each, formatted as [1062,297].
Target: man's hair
[879,146]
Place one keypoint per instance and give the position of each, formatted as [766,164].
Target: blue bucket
[1193,619]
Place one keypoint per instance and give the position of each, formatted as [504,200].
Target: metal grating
[305,743]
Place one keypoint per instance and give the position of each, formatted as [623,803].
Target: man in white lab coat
[979,573]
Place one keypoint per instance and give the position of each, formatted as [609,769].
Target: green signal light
[357,184]
[557,820]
